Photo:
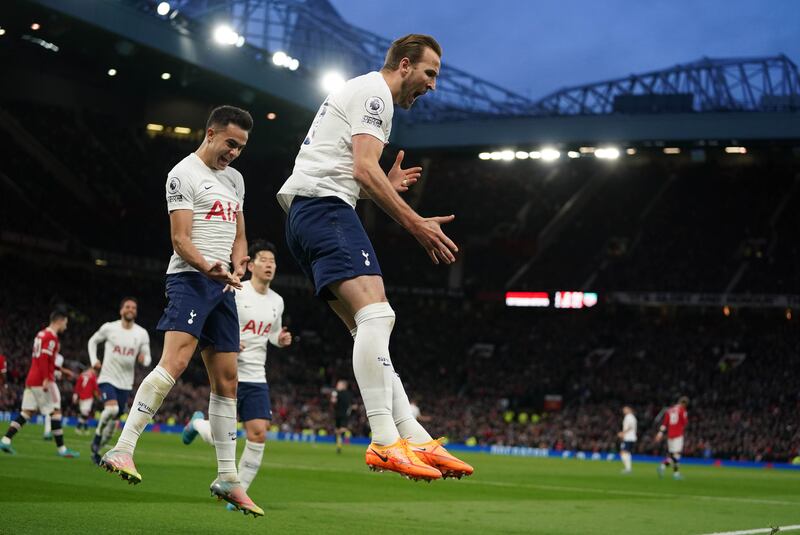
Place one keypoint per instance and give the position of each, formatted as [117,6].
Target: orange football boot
[399,458]
[434,454]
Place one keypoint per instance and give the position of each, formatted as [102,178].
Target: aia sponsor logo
[226,212]
[260,329]
[124,351]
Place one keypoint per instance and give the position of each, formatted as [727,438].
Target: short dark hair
[261,245]
[412,46]
[684,400]
[57,314]
[128,298]
[222,116]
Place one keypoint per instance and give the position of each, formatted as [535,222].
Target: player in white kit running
[205,201]
[124,344]
[628,436]
[339,162]
[260,312]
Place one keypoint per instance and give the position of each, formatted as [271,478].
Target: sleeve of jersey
[180,192]
[369,113]
[274,334]
[98,337]
[145,350]
[240,192]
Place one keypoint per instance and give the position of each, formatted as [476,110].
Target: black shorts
[342,420]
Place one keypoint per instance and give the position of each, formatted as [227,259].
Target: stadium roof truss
[740,84]
[315,33]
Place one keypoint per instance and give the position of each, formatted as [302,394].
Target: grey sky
[537,46]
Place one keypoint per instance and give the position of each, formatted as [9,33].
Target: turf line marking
[635,493]
[753,531]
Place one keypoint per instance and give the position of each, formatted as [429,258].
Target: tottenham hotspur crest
[366,257]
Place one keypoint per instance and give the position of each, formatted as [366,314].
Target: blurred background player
[84,393]
[260,312]
[343,406]
[3,370]
[55,394]
[205,199]
[38,396]
[124,343]
[628,437]
[674,423]
[338,162]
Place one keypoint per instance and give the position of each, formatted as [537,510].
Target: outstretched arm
[368,173]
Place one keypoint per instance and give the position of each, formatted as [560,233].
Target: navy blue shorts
[198,306]
[627,445]
[252,402]
[328,241]
[111,393]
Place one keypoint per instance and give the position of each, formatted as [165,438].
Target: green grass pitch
[307,488]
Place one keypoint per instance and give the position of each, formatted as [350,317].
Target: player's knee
[259,436]
[112,410]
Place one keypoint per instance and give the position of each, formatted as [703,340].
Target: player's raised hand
[285,337]
[218,272]
[402,179]
[240,268]
[430,236]
[97,366]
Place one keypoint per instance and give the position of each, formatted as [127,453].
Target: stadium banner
[704,299]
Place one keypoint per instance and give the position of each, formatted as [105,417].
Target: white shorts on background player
[675,445]
[324,165]
[37,399]
[259,322]
[85,406]
[214,197]
[120,352]
[629,425]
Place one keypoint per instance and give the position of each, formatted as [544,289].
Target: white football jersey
[121,350]
[215,197]
[259,322]
[324,165]
[629,424]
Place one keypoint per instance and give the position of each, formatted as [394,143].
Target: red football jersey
[3,364]
[675,421]
[86,385]
[43,358]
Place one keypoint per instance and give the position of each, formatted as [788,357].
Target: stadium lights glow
[521,155]
[271,116]
[607,153]
[163,8]
[35,26]
[736,150]
[112,72]
[549,155]
[41,42]
[535,155]
[630,152]
[165,76]
[586,150]
[240,41]
[573,154]
[182,130]
[332,81]
[224,35]
[279,58]
[507,155]
[282,59]
[153,127]
[496,155]
[2,31]
[672,150]
[485,156]
[100,262]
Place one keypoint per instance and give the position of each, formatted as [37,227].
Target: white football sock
[407,425]
[151,394]
[250,462]
[222,420]
[110,412]
[48,424]
[626,459]
[203,429]
[108,431]
[373,369]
